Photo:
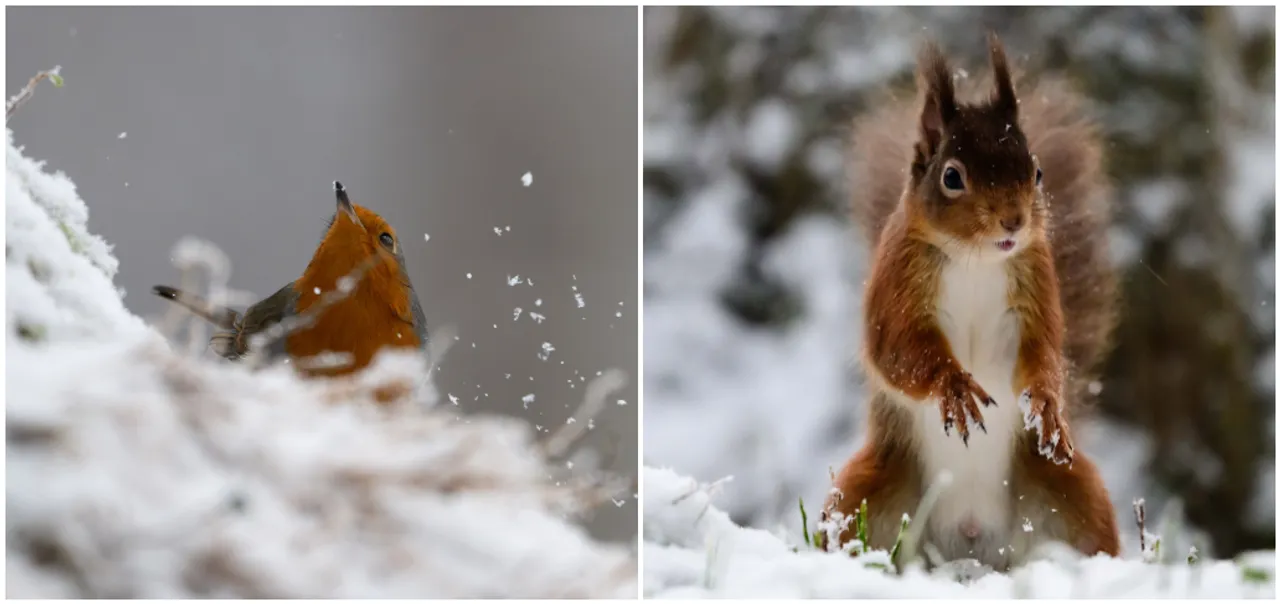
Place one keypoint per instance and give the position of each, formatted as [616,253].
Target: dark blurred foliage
[1186,99]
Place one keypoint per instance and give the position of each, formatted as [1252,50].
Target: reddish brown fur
[1067,502]
[1076,190]
[1039,370]
[1061,287]
[885,475]
[374,315]
[1064,502]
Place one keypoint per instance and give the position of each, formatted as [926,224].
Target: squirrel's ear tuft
[1005,97]
[938,91]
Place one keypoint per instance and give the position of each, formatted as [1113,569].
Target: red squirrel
[990,300]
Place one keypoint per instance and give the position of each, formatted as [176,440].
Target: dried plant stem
[1140,516]
[592,402]
[25,94]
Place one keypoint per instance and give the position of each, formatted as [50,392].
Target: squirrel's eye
[386,240]
[951,179]
[1039,175]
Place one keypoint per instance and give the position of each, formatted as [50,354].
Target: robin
[353,299]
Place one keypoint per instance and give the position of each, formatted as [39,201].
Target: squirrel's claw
[1043,415]
[958,403]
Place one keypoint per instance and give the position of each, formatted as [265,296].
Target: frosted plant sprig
[24,95]
[592,402]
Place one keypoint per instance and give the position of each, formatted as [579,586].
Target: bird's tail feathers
[220,316]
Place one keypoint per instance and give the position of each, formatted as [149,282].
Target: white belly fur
[974,314]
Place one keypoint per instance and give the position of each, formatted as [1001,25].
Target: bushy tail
[1069,147]
[1080,199]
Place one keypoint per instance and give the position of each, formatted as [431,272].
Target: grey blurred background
[230,124]
[753,277]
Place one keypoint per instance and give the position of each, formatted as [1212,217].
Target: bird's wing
[261,316]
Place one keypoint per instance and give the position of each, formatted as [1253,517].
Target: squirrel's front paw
[957,393]
[1042,412]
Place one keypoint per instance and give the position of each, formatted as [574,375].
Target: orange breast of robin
[373,316]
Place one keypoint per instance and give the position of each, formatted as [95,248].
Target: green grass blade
[804,523]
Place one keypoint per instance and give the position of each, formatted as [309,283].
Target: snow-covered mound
[693,550]
[135,470]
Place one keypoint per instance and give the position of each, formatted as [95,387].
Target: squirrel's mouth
[1006,245]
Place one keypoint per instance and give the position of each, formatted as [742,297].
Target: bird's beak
[344,203]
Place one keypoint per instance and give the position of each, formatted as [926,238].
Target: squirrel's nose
[1012,223]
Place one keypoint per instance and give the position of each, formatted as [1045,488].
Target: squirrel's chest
[974,315]
[973,312]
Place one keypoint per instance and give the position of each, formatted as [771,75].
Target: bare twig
[25,94]
[710,488]
[191,255]
[592,402]
[1140,516]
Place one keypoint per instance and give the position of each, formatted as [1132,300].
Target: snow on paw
[1042,413]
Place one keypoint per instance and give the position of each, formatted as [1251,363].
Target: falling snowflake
[527,179]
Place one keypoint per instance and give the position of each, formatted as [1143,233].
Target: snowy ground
[135,469]
[693,550]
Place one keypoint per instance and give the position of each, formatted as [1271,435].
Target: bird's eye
[1039,176]
[387,240]
[952,180]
